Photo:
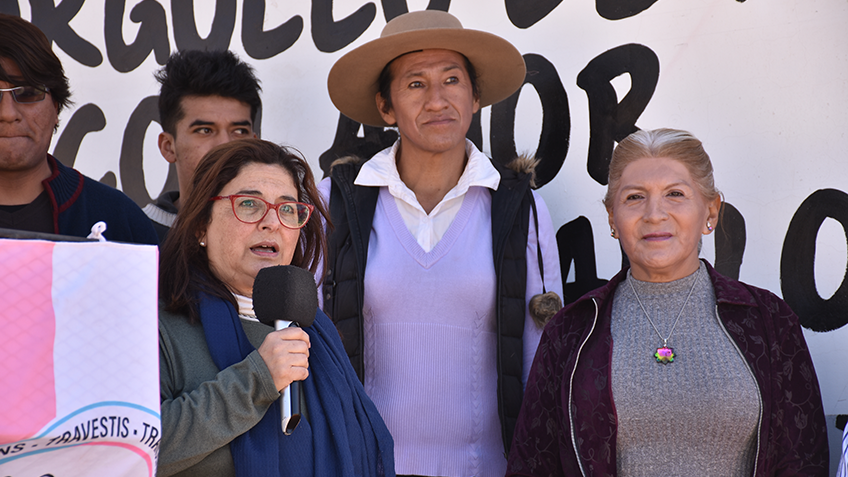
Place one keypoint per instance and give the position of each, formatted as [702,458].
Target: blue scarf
[344,436]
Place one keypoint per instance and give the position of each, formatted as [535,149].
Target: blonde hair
[674,144]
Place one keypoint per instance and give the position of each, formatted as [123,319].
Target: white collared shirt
[428,229]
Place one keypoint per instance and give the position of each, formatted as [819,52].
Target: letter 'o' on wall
[797,262]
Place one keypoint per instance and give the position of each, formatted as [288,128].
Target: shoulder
[89,192]
[345,168]
[774,310]
[171,324]
[178,337]
[733,292]
[343,172]
[750,309]
[575,317]
[561,339]
[519,170]
[128,223]
[97,189]
[522,165]
[766,298]
[581,314]
[166,201]
[343,195]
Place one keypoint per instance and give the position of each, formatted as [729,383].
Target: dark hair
[24,44]
[184,265]
[204,73]
[384,81]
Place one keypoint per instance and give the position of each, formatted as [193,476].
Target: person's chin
[265,262]
[658,260]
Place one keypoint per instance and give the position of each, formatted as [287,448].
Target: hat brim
[353,80]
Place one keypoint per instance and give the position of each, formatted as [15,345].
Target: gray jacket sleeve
[204,409]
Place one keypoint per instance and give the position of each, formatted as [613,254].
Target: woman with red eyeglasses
[221,370]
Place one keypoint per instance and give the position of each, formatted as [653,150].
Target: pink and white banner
[79,386]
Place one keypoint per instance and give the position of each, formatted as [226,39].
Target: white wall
[764,84]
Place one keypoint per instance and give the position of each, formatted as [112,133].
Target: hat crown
[420,20]
[353,81]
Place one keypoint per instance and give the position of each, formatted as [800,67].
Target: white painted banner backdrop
[80,379]
[763,83]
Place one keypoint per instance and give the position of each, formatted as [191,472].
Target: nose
[436,98]
[271,221]
[655,210]
[9,111]
[222,137]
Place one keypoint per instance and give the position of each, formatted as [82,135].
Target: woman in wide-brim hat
[354,79]
[436,251]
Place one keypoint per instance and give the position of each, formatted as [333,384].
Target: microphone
[283,296]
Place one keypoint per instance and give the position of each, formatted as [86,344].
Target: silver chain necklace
[664,354]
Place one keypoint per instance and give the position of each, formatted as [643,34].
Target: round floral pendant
[664,355]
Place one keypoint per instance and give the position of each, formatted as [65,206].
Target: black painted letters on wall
[797,262]
[152,35]
[609,120]
[261,44]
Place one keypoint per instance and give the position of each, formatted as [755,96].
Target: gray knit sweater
[695,416]
[204,409]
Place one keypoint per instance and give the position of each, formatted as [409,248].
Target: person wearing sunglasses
[37,192]
[250,205]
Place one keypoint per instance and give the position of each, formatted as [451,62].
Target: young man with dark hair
[207,98]
[37,192]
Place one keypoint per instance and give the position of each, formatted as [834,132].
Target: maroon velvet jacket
[571,372]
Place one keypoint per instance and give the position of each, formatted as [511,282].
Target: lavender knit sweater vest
[431,338]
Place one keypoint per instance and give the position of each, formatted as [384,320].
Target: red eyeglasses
[251,209]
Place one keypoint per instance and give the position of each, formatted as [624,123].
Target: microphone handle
[290,401]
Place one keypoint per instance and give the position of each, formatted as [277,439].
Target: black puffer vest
[352,211]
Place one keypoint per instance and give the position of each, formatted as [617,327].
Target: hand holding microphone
[286,353]
[286,296]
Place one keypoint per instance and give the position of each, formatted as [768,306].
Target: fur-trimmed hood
[525,164]
[345,160]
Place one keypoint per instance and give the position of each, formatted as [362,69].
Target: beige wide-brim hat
[353,80]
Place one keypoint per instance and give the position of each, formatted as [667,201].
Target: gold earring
[202,243]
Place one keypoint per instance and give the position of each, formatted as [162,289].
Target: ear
[388,115]
[476,105]
[610,218]
[56,124]
[714,208]
[168,147]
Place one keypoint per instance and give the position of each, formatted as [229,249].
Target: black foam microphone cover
[285,293]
